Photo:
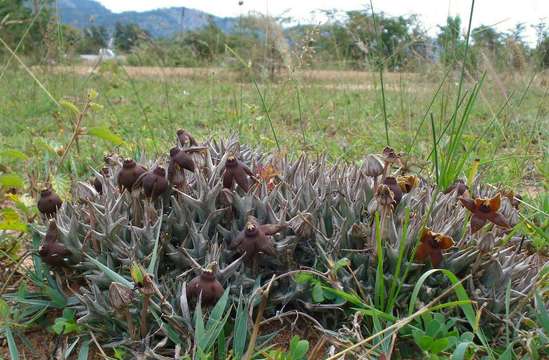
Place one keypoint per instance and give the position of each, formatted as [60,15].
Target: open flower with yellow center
[483,210]
[431,246]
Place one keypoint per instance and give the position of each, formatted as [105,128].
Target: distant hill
[159,23]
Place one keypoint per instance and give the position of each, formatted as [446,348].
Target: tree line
[352,39]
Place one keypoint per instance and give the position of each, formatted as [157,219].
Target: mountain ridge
[163,22]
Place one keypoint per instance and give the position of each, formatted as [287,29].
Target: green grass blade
[12,347]
[380,281]
[84,349]
[393,294]
[240,330]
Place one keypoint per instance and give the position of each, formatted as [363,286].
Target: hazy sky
[504,14]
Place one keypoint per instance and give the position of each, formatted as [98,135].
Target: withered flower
[458,186]
[185,138]
[392,183]
[268,173]
[483,210]
[431,246]
[207,285]
[390,156]
[51,251]
[407,182]
[236,171]
[373,166]
[97,184]
[385,196]
[253,240]
[120,296]
[155,183]
[302,225]
[49,202]
[129,174]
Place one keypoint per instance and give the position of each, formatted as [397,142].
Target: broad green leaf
[302,277]
[439,345]
[508,353]
[461,348]
[104,133]
[298,348]
[461,294]
[340,264]
[4,312]
[11,181]
[11,220]
[13,154]
[318,293]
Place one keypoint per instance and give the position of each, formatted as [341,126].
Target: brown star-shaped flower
[483,210]
[253,240]
[431,246]
[236,171]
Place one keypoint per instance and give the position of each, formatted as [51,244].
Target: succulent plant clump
[153,262]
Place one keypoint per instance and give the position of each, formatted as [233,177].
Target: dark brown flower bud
[236,171]
[155,183]
[129,174]
[51,251]
[384,196]
[182,159]
[392,183]
[373,166]
[458,186]
[120,296]
[97,184]
[207,285]
[49,202]
[185,138]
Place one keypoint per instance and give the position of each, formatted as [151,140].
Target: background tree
[127,36]
[94,38]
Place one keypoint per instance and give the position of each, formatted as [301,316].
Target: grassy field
[135,111]
[334,113]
